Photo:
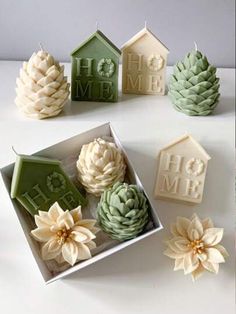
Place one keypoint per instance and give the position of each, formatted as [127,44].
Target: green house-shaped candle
[95,67]
[39,182]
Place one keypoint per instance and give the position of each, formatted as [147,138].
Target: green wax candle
[194,87]
[94,74]
[39,182]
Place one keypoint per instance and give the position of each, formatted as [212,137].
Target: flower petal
[91,245]
[182,244]
[87,223]
[179,264]
[170,253]
[191,263]
[78,236]
[202,257]
[83,252]
[50,250]
[42,234]
[194,216]
[174,231]
[65,220]
[222,250]
[207,223]
[95,230]
[214,255]
[212,236]
[195,229]
[76,214]
[55,211]
[212,267]
[182,226]
[89,235]
[198,272]
[172,245]
[43,219]
[70,252]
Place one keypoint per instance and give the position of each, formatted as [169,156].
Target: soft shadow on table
[128,97]
[217,184]
[74,108]
[226,106]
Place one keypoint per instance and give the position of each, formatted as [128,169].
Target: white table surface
[138,279]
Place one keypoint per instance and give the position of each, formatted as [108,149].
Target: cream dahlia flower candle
[64,235]
[195,246]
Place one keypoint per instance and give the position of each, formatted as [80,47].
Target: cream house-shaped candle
[182,171]
[144,59]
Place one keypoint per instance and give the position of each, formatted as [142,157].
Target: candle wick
[195,45]
[145,24]
[96,25]
[41,46]
[14,150]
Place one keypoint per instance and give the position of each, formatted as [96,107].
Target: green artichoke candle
[123,211]
[194,87]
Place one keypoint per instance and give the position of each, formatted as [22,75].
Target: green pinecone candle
[194,87]
[123,211]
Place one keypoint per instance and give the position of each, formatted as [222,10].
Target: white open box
[61,151]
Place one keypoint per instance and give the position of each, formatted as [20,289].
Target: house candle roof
[140,34]
[100,36]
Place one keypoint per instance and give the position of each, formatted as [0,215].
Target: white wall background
[62,24]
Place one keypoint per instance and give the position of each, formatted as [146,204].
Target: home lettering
[54,183]
[85,68]
[179,176]
[137,75]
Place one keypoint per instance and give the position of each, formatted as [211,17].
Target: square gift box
[67,152]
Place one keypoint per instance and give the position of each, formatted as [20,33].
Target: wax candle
[39,182]
[144,59]
[123,211]
[95,66]
[42,89]
[193,86]
[196,246]
[182,171]
[100,165]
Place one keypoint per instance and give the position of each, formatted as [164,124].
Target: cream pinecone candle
[100,165]
[42,89]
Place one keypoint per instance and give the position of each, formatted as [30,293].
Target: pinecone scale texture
[193,86]
[42,89]
[123,211]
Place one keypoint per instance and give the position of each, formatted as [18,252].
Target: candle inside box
[94,74]
[38,182]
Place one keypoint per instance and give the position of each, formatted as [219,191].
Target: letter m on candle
[94,72]
[39,182]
